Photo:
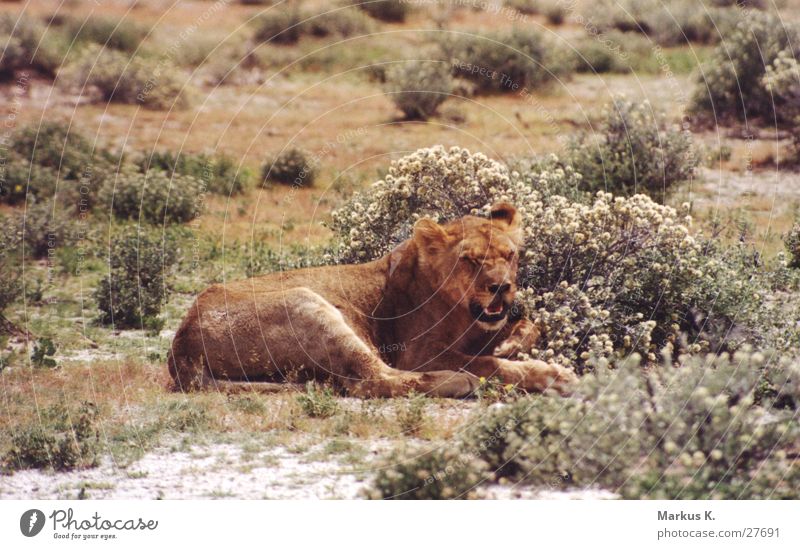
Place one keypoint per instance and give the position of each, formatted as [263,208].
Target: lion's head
[473,262]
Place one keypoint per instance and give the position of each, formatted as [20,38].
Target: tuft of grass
[247,404]
[187,415]
[318,403]
[411,416]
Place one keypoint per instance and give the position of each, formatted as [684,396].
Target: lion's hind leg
[318,330]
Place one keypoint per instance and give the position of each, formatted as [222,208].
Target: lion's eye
[470,260]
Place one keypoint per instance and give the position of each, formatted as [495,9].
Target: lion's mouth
[494,312]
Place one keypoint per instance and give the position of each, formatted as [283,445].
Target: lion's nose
[499,289]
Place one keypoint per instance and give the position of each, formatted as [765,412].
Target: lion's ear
[430,236]
[505,215]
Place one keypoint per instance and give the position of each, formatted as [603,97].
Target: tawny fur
[416,320]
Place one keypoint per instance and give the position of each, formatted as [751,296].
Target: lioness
[430,317]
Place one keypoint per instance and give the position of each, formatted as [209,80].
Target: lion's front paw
[508,348]
[523,338]
[541,376]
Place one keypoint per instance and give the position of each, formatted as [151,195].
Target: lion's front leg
[529,375]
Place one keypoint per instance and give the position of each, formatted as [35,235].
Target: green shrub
[636,153]
[710,441]
[136,287]
[557,443]
[792,243]
[507,61]
[56,161]
[731,87]
[119,78]
[10,287]
[781,81]
[601,57]
[287,26]
[666,22]
[339,22]
[604,276]
[291,167]
[118,34]
[61,439]
[439,473]
[391,11]
[42,355]
[218,173]
[418,87]
[257,258]
[552,9]
[555,13]
[318,402]
[528,7]
[44,229]
[20,179]
[690,431]
[27,46]
[279,26]
[154,197]
[54,145]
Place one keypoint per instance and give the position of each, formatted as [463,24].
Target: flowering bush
[436,183]
[689,430]
[635,153]
[418,87]
[707,438]
[604,277]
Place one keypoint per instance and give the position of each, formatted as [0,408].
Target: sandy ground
[200,472]
[226,471]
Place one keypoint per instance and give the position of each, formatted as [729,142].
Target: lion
[431,317]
